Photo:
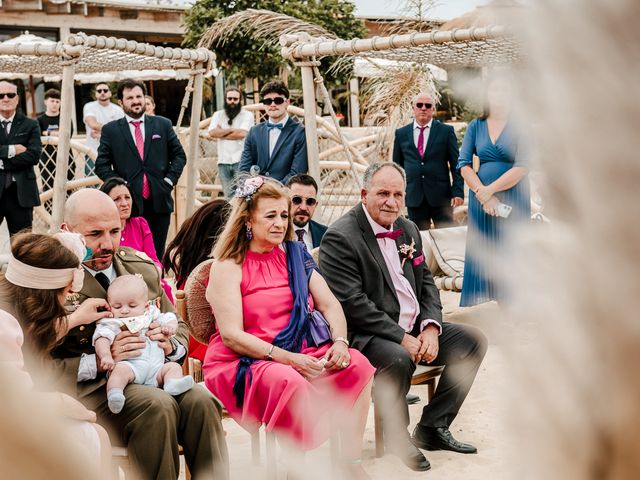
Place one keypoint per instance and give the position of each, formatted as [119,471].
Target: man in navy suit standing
[20,149]
[146,152]
[428,151]
[304,200]
[278,146]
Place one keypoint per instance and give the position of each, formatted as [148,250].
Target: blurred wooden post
[310,126]
[194,142]
[354,102]
[62,158]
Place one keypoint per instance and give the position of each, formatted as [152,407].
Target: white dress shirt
[11,150]
[308,241]
[274,133]
[132,129]
[416,133]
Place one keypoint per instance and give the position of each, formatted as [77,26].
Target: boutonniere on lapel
[155,136]
[407,251]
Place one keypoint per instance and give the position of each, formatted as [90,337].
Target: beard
[232,111]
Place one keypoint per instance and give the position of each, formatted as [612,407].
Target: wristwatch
[341,339]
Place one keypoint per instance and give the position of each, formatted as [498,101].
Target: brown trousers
[153,424]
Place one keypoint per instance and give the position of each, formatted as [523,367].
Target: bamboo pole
[309,49]
[64,138]
[310,126]
[354,102]
[194,142]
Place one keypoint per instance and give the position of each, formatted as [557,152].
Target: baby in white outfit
[128,298]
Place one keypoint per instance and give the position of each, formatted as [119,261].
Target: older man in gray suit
[373,262]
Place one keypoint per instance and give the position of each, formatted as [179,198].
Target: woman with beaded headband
[264,362]
[42,271]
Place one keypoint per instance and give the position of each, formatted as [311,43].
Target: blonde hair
[233,242]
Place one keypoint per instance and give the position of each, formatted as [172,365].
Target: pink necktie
[421,141]
[137,134]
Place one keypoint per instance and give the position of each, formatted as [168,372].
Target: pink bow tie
[393,234]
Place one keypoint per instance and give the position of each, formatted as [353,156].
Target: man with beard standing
[304,200]
[230,125]
[150,159]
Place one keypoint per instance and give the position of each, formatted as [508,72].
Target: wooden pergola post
[194,140]
[64,137]
[310,126]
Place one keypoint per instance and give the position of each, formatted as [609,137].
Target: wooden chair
[193,367]
[120,461]
[423,375]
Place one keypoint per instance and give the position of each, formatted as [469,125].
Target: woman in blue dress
[500,179]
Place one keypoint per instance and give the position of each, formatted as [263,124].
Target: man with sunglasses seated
[428,151]
[276,148]
[304,200]
[20,150]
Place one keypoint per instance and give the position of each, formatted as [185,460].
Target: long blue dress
[486,234]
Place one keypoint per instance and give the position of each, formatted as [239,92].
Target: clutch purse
[318,328]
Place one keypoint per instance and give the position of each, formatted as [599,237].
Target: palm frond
[387,100]
[260,25]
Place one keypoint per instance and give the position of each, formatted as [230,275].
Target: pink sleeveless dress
[278,395]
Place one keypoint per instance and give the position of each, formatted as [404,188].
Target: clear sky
[443,9]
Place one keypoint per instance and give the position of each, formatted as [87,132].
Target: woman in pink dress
[135,230]
[263,363]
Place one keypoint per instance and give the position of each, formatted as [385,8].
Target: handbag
[318,327]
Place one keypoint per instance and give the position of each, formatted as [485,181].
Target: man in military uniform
[151,419]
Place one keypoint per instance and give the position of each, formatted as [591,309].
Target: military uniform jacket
[78,340]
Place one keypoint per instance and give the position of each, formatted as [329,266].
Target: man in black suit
[373,262]
[304,200]
[20,150]
[276,148]
[145,151]
[428,151]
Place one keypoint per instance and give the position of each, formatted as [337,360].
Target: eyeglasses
[425,105]
[102,90]
[297,200]
[233,99]
[277,101]
[8,95]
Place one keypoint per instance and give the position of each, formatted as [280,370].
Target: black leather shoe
[409,454]
[439,438]
[411,398]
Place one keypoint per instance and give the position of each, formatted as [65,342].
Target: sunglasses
[8,95]
[297,200]
[233,99]
[425,105]
[277,101]
[102,90]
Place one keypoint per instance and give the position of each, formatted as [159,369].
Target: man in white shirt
[97,114]
[230,125]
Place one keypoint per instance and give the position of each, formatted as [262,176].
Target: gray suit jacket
[353,266]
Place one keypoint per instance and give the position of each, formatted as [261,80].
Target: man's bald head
[93,214]
[88,202]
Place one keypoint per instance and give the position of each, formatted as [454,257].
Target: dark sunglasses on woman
[277,101]
[297,200]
